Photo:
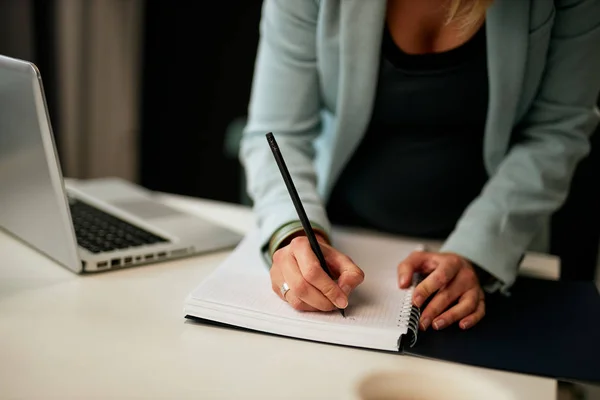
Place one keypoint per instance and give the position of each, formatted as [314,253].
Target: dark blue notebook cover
[545,328]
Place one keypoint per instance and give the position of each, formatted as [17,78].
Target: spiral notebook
[545,328]
[379,314]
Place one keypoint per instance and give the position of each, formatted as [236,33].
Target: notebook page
[242,283]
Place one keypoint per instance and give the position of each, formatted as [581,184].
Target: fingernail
[418,300]
[346,289]
[341,302]
[465,324]
[404,281]
[425,323]
[439,324]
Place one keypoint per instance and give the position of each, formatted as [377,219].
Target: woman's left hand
[455,281]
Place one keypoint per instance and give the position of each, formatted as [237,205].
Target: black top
[420,163]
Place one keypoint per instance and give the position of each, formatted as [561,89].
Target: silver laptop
[86,226]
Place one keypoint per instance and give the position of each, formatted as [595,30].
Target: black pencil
[310,234]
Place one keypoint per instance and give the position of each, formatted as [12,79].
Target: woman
[460,120]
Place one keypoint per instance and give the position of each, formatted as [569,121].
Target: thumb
[409,266]
[349,274]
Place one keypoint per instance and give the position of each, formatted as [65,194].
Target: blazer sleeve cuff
[282,221]
[489,252]
[289,229]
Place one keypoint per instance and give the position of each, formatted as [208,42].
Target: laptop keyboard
[99,232]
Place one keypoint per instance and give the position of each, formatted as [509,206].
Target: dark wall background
[197,73]
[45,47]
[576,226]
[27,32]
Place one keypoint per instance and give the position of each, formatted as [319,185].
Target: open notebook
[379,314]
[559,315]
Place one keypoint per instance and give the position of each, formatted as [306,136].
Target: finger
[349,274]
[466,305]
[315,276]
[276,279]
[464,280]
[474,318]
[300,288]
[441,301]
[279,259]
[407,268]
[440,277]
[297,303]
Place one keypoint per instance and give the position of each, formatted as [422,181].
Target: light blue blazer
[314,84]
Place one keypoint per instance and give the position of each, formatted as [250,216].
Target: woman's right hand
[311,289]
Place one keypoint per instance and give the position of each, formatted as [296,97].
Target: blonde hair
[468,13]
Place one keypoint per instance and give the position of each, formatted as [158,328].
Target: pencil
[310,234]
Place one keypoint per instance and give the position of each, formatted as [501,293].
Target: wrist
[318,234]
[487,281]
[285,234]
[483,276]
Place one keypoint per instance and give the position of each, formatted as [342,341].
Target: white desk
[121,334]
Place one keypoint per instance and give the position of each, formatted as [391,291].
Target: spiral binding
[411,313]
[413,324]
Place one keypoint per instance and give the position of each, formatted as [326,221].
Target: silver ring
[284,289]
